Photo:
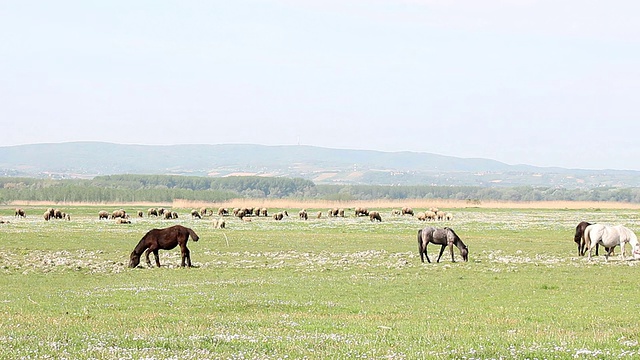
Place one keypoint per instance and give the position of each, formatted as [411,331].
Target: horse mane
[456,239]
[142,245]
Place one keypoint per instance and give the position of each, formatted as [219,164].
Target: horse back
[425,236]
[441,236]
[168,238]
[602,234]
[626,234]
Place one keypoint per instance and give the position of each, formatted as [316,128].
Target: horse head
[134,260]
[464,252]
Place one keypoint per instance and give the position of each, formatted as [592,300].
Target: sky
[544,83]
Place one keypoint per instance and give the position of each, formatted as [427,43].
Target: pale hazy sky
[546,83]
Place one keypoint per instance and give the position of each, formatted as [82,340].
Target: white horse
[610,236]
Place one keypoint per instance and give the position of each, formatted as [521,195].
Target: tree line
[166,188]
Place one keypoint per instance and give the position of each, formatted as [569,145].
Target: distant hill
[321,165]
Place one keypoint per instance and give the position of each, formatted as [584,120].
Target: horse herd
[170,237]
[587,237]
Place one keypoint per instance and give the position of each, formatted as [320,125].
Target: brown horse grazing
[163,239]
[445,237]
[578,238]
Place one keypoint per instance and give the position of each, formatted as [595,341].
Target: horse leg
[426,255]
[146,254]
[186,256]
[420,246]
[157,256]
[586,237]
[451,250]
[441,251]
[580,249]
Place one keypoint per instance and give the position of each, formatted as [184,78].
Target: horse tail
[587,239]
[193,234]
[420,245]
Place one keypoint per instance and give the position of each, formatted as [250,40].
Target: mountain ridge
[86,159]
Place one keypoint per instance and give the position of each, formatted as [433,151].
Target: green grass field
[319,289]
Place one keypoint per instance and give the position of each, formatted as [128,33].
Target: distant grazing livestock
[240,213]
[219,223]
[123,221]
[407,211]
[152,212]
[103,215]
[332,212]
[396,212]
[20,213]
[47,215]
[195,214]
[360,211]
[303,214]
[340,212]
[205,212]
[374,215]
[248,211]
[223,211]
[57,213]
[318,214]
[163,239]
[119,214]
[278,216]
[140,214]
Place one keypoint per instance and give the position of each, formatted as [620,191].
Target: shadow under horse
[163,239]
[445,237]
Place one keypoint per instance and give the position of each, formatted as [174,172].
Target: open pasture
[320,288]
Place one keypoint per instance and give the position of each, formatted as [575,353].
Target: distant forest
[166,188]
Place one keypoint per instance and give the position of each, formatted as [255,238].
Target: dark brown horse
[163,239]
[445,237]
[578,238]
